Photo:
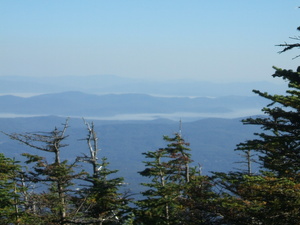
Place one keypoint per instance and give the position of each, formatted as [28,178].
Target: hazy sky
[215,40]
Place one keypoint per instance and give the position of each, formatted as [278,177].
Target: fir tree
[272,195]
[10,193]
[170,197]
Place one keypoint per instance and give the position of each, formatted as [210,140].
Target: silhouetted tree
[290,46]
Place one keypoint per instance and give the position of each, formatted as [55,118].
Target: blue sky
[215,40]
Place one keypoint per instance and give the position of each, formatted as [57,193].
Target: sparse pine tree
[100,200]
[52,206]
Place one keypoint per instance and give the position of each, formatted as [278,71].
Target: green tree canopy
[270,196]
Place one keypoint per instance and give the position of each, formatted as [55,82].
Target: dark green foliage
[259,199]
[9,191]
[278,146]
[271,196]
[176,193]
[100,201]
[56,178]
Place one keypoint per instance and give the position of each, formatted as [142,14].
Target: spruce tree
[278,146]
[11,211]
[271,196]
[175,193]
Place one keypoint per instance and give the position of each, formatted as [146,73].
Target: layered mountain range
[130,106]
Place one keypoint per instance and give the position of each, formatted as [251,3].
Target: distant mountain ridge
[103,84]
[78,104]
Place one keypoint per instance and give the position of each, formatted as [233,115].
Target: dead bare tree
[100,201]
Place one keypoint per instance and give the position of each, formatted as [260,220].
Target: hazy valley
[132,116]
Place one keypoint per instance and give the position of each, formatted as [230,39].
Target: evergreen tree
[10,193]
[53,206]
[171,195]
[271,196]
[278,146]
[198,202]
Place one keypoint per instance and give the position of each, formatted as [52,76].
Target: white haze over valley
[180,116]
[185,116]
[214,100]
